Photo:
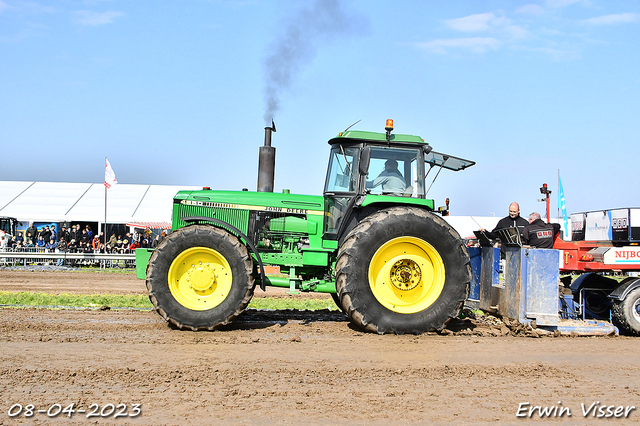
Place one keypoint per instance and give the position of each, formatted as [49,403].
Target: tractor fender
[625,287]
[222,224]
[593,280]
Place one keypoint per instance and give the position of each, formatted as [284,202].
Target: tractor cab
[370,167]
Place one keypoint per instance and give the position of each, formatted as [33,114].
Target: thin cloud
[26,6]
[485,22]
[516,31]
[531,9]
[473,44]
[558,4]
[478,22]
[89,18]
[617,18]
[555,54]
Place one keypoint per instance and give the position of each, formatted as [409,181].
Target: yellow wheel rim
[406,275]
[200,278]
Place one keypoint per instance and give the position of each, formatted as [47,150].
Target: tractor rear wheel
[336,300]
[627,312]
[402,270]
[200,277]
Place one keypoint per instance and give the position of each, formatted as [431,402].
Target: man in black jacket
[514,220]
[31,233]
[539,234]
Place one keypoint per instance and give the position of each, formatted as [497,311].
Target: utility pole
[545,191]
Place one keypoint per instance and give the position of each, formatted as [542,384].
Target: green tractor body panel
[359,135]
[285,228]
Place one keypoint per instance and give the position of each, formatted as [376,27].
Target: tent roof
[67,201]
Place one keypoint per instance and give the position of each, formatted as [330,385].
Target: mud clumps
[478,323]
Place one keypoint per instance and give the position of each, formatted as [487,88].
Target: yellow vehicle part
[406,275]
[200,278]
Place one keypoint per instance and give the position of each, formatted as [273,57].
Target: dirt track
[290,367]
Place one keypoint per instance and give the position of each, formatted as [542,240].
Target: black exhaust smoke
[267,162]
[313,26]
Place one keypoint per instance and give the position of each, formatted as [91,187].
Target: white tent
[465,225]
[85,202]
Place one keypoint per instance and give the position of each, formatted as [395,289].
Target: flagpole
[558,204]
[105,212]
[109,179]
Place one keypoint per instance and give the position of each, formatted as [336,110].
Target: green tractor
[373,241]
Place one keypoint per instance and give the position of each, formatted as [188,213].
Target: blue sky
[176,92]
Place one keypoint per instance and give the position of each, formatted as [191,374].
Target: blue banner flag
[563,207]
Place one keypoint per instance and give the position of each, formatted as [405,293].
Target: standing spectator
[539,234]
[54,235]
[84,237]
[514,220]
[78,234]
[45,234]
[89,232]
[63,235]
[112,241]
[31,233]
[62,247]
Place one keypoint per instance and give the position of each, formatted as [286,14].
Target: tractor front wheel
[402,270]
[199,277]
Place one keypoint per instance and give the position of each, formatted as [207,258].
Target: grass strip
[141,301]
[27,298]
[292,303]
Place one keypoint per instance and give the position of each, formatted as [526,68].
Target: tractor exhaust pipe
[267,161]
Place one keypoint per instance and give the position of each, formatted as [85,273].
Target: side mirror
[427,149]
[365,156]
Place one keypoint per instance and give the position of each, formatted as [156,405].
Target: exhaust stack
[267,161]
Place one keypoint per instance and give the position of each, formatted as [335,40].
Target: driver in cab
[390,178]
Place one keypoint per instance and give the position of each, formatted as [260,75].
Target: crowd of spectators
[77,239]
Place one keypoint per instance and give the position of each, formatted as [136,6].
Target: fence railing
[37,256]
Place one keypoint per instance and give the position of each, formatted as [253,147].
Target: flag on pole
[562,206]
[109,175]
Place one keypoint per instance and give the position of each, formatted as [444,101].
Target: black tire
[399,246]
[219,276]
[627,312]
[595,296]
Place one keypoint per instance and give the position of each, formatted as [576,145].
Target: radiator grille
[234,217]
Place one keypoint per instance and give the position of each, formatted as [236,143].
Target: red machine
[605,242]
